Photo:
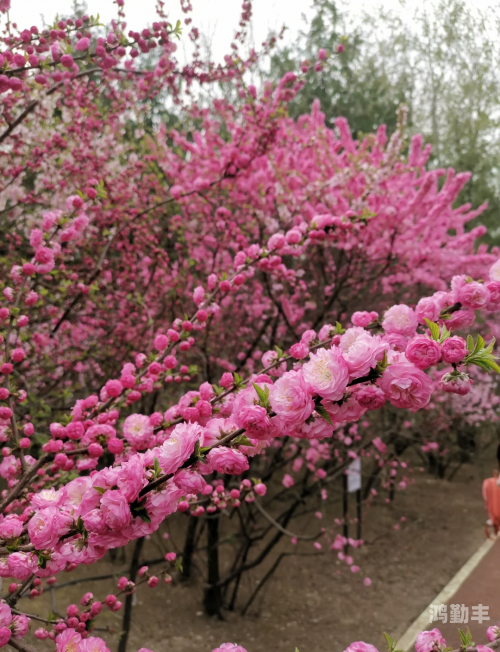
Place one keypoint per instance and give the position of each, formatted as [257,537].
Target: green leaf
[237,378]
[470,343]
[445,334]
[479,345]
[388,641]
[156,465]
[263,394]
[491,345]
[323,413]
[466,638]
[100,490]
[178,564]
[493,365]
[242,440]
[434,329]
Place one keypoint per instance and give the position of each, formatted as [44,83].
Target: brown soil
[313,603]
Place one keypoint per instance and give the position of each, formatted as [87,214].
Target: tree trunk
[212,600]
[127,615]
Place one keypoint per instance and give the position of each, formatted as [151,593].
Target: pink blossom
[47,526]
[5,632]
[473,295]
[68,641]
[361,351]
[227,460]
[255,420]
[460,319]
[427,640]
[138,430]
[423,352]
[21,565]
[287,481]
[427,308]
[327,373]
[290,399]
[362,318]
[370,396]
[11,527]
[179,446]
[360,646]
[493,633]
[115,509]
[19,626]
[400,319]
[494,272]
[5,615]
[406,386]
[454,349]
[379,445]
[92,644]
[229,647]
[456,383]
[299,350]
[189,481]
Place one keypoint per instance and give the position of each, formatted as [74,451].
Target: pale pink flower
[287,481]
[179,446]
[427,640]
[473,295]
[47,526]
[11,527]
[427,308]
[138,431]
[291,400]
[92,644]
[400,319]
[229,647]
[361,351]
[406,386]
[68,641]
[493,633]
[327,374]
[47,498]
[494,273]
[215,429]
[227,460]
[21,565]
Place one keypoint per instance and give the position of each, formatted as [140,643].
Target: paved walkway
[477,583]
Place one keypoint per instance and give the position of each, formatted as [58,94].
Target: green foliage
[443,65]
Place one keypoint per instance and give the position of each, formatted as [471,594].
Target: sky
[216,18]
